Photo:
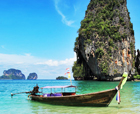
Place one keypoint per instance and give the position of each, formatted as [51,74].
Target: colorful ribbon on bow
[118,99]
[125,74]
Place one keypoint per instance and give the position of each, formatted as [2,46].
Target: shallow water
[19,104]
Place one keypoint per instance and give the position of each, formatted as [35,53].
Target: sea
[20,104]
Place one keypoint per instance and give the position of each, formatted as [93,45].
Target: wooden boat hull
[102,98]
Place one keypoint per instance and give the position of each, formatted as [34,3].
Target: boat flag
[69,76]
[68,72]
[67,69]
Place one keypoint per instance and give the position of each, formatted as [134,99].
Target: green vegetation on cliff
[61,78]
[78,70]
[137,77]
[11,77]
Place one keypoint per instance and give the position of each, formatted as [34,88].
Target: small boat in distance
[102,98]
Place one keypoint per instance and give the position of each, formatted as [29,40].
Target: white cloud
[16,59]
[57,63]
[64,19]
[43,67]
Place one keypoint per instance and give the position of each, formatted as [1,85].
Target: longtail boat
[102,98]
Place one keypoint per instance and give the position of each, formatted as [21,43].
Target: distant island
[15,74]
[32,76]
[12,74]
[61,78]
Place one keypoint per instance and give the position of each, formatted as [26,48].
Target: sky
[38,35]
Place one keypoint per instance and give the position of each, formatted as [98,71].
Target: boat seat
[52,94]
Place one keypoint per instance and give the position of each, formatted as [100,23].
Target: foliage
[99,52]
[110,51]
[137,77]
[122,1]
[121,19]
[115,71]
[92,3]
[99,44]
[61,78]
[131,25]
[101,24]
[124,35]
[132,31]
[111,43]
[104,67]
[88,41]
[11,77]
[116,37]
[78,70]
[131,28]
[5,77]
[125,26]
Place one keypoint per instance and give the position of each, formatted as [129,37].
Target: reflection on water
[130,98]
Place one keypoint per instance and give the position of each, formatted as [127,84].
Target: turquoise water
[19,104]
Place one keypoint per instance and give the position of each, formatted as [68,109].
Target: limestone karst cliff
[13,74]
[32,76]
[105,45]
[137,63]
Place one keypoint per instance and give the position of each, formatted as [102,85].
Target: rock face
[32,76]
[137,64]
[13,74]
[105,45]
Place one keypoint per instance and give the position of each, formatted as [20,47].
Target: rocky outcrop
[61,78]
[137,63]
[105,45]
[13,74]
[32,76]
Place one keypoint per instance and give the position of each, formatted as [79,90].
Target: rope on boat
[118,99]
